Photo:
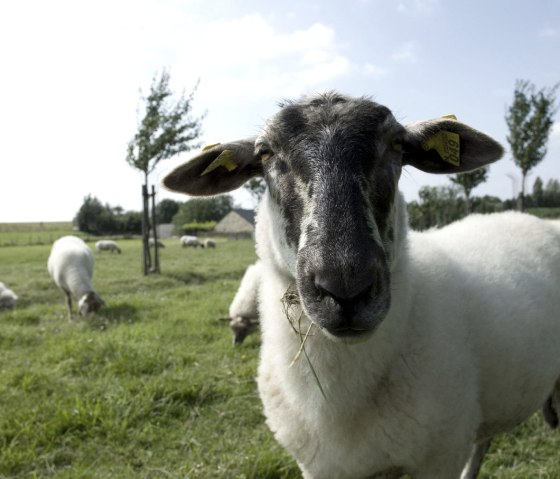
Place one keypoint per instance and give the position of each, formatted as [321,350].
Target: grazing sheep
[107,245]
[190,242]
[70,265]
[243,310]
[419,347]
[209,243]
[151,243]
[8,298]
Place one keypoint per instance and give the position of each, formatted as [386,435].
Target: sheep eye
[265,153]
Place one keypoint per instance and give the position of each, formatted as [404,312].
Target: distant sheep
[392,352]
[209,243]
[188,241]
[244,309]
[151,242]
[70,265]
[107,245]
[8,298]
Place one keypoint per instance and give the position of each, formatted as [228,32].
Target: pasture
[152,387]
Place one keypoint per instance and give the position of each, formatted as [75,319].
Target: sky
[72,74]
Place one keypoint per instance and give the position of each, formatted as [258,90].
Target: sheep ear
[218,169]
[448,146]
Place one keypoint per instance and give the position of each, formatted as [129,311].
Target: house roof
[247,215]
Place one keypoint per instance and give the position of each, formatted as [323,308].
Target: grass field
[152,387]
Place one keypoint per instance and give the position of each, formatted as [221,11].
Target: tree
[166,210]
[95,218]
[469,181]
[530,120]
[438,206]
[166,130]
[200,210]
[257,187]
[538,192]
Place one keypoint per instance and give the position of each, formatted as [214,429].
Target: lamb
[209,243]
[70,265]
[107,245]
[243,310]
[152,242]
[412,340]
[8,299]
[190,241]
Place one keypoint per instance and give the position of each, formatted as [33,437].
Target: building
[237,223]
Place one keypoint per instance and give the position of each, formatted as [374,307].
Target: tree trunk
[155,268]
[521,199]
[147,259]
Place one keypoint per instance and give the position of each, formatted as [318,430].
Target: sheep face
[332,166]
[89,303]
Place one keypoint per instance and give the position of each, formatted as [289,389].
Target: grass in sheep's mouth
[289,300]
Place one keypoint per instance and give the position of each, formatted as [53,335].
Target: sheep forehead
[306,136]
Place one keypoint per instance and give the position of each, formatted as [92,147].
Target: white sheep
[418,347]
[107,245]
[190,241]
[152,242]
[243,310]
[70,265]
[209,243]
[8,299]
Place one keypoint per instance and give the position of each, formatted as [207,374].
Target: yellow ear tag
[446,143]
[226,159]
[449,117]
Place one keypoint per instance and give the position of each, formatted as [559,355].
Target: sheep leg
[69,304]
[475,461]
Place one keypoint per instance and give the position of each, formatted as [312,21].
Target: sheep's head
[90,303]
[332,166]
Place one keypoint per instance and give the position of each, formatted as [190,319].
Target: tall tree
[166,130]
[469,181]
[530,120]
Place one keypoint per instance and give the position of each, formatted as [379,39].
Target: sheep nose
[345,288]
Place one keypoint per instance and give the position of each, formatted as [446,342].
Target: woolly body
[433,377]
[244,308]
[107,245]
[8,299]
[70,265]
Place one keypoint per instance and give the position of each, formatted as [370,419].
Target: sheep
[151,243]
[70,265]
[8,299]
[107,245]
[190,241]
[209,243]
[243,310]
[412,340]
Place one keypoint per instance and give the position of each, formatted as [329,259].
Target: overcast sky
[71,74]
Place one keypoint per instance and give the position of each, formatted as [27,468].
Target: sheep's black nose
[344,288]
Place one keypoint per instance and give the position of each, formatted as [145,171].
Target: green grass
[152,387]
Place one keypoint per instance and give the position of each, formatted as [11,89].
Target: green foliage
[438,206]
[198,227]
[97,219]
[166,129]
[530,120]
[257,187]
[469,181]
[165,210]
[201,210]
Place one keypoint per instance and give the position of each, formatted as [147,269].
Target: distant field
[152,387]
[14,234]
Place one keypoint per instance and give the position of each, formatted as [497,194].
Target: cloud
[549,33]
[263,61]
[424,7]
[407,53]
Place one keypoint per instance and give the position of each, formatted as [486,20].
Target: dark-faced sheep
[413,341]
